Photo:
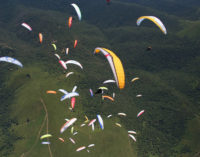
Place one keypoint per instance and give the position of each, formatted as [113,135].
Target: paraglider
[108,97]
[74,62]
[26,26]
[115,64]
[75,133]
[103,88]
[75,43]
[91,145]
[11,60]
[91,92]
[67,51]
[139,95]
[113,95]
[69,95]
[134,79]
[63,64]
[40,37]
[78,11]
[72,140]
[73,102]
[57,56]
[155,20]
[61,139]
[67,124]
[51,92]
[92,122]
[132,132]
[45,136]
[121,114]
[132,137]
[74,88]
[109,81]
[100,121]
[119,125]
[72,130]
[67,119]
[54,46]
[63,91]
[87,120]
[109,116]
[69,73]
[82,125]
[80,148]
[46,143]
[92,126]
[70,22]
[140,113]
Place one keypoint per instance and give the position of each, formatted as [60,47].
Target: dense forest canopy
[167,67]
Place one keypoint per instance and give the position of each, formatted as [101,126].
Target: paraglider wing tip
[96,50]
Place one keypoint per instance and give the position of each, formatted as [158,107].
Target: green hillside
[169,80]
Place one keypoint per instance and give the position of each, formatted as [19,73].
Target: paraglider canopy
[70,21]
[11,60]
[155,20]
[26,26]
[40,37]
[78,11]
[115,64]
